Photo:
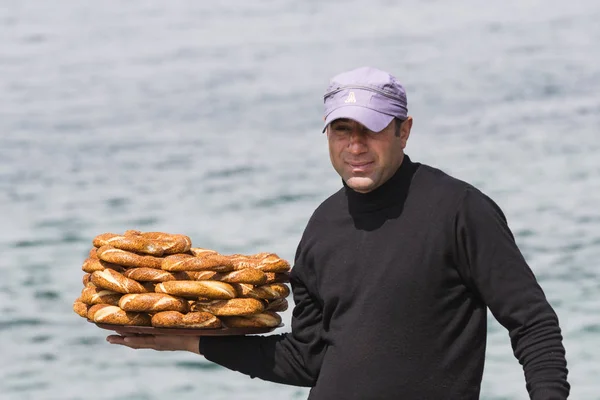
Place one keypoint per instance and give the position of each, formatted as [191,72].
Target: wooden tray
[150,330]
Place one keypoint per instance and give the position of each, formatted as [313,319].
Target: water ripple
[196,365]
[20,322]
[281,200]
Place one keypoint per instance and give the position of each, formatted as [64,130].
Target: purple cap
[367,95]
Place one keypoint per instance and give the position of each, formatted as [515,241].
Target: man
[394,274]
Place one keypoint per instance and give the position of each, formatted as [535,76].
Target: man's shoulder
[429,175]
[440,186]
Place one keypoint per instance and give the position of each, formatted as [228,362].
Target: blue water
[205,119]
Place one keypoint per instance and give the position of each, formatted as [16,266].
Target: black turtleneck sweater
[391,291]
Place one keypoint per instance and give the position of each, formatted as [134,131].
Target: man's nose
[357,141]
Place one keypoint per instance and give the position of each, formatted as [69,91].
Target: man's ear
[405,130]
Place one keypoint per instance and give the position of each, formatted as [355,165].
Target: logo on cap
[351,98]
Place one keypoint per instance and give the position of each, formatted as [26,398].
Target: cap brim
[373,120]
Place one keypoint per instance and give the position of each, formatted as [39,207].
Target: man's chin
[361,184]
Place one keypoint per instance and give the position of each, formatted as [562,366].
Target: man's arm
[293,358]
[494,267]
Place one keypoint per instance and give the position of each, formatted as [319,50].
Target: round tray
[150,330]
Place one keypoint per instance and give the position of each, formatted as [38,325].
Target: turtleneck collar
[392,192]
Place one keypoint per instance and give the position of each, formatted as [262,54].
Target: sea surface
[205,118]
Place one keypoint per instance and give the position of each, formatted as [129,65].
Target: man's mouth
[359,166]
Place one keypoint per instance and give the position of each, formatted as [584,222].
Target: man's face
[365,159]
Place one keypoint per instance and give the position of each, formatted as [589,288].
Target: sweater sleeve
[293,358]
[495,268]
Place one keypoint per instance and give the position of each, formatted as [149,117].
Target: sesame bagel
[91,295]
[153,302]
[117,316]
[174,319]
[186,262]
[94,264]
[269,291]
[230,307]
[113,280]
[267,319]
[128,258]
[247,275]
[194,289]
[80,308]
[145,274]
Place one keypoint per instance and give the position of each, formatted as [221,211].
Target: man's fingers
[156,342]
[115,339]
[135,342]
[140,342]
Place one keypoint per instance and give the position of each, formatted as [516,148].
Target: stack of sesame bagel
[158,279]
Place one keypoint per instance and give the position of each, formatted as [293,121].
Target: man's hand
[157,342]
